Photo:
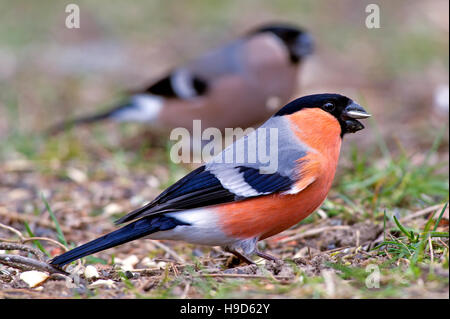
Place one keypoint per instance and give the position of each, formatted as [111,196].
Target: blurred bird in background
[238,85]
[236,204]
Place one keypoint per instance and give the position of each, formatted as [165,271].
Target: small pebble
[148,263]
[34,278]
[153,182]
[91,272]
[103,283]
[161,264]
[128,274]
[127,263]
[112,209]
[76,175]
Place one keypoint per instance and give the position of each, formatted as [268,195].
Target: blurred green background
[49,72]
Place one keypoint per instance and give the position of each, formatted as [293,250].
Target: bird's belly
[269,215]
[202,229]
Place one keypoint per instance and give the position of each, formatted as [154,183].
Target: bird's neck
[319,130]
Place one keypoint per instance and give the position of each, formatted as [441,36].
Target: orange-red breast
[235,203]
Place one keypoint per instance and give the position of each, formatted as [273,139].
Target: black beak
[355,111]
[351,113]
[352,126]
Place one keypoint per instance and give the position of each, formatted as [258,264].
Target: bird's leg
[266,256]
[239,255]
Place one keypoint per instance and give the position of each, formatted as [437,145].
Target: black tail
[136,108]
[55,129]
[132,231]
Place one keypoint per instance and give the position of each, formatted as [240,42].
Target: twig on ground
[25,263]
[361,251]
[422,212]
[169,251]
[46,239]
[243,276]
[13,230]
[60,276]
[431,250]
[174,268]
[186,290]
[21,292]
[312,232]
[351,248]
[331,251]
[440,240]
[31,219]
[23,239]
[15,246]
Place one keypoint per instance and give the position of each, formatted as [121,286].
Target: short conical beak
[351,114]
[355,111]
[353,126]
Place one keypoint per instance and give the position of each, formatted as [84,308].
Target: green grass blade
[418,256]
[59,232]
[403,229]
[436,234]
[36,242]
[440,217]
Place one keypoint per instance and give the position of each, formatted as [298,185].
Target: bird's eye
[329,107]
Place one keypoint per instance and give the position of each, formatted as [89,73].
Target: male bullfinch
[238,85]
[236,199]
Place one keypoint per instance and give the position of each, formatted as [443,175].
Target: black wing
[198,188]
[202,188]
[165,86]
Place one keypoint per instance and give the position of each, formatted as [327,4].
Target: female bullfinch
[238,85]
[236,203]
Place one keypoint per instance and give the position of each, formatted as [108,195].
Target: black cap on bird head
[297,40]
[344,109]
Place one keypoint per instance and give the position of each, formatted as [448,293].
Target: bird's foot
[267,256]
[239,255]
